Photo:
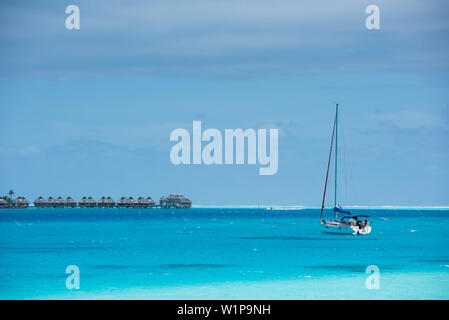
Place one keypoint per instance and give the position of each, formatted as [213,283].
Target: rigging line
[347,165]
[336,157]
[328,165]
[344,168]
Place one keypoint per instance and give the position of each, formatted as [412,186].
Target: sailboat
[348,224]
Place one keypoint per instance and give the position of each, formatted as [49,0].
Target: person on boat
[362,224]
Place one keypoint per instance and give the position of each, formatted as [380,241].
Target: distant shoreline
[299,207]
[278,207]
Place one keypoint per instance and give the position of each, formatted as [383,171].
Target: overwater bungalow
[175,201]
[4,203]
[87,202]
[143,202]
[59,202]
[172,201]
[122,202]
[100,202]
[131,202]
[106,202]
[20,203]
[126,202]
[109,203]
[81,202]
[70,202]
[50,203]
[39,202]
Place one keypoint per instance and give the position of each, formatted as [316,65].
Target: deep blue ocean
[218,253]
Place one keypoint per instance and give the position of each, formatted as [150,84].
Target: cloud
[154,135]
[20,151]
[411,119]
[224,38]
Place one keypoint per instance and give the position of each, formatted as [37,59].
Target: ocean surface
[221,253]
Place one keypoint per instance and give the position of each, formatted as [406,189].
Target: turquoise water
[214,253]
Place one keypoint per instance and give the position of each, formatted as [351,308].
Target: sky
[89,112]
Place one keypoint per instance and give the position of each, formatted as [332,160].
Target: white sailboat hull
[343,228]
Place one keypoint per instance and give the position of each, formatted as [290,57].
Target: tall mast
[328,166]
[336,157]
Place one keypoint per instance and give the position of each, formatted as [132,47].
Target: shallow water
[220,253]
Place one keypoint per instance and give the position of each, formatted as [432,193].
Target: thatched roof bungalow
[81,202]
[109,203]
[40,202]
[100,202]
[59,203]
[50,202]
[20,203]
[70,202]
[142,202]
[126,202]
[131,202]
[4,203]
[106,202]
[121,203]
[87,202]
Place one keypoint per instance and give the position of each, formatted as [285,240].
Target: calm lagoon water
[213,253]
